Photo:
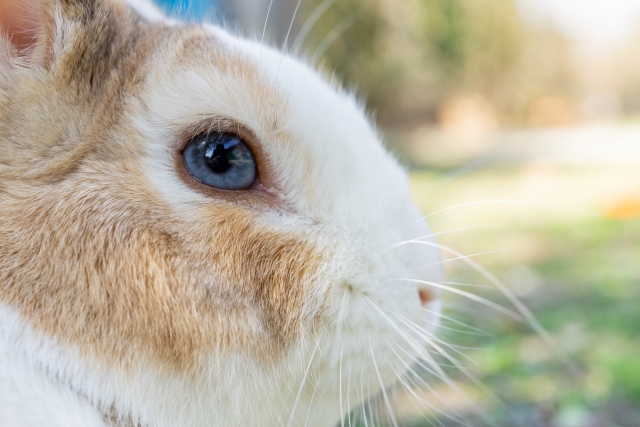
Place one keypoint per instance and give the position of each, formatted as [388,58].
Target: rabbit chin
[355,353]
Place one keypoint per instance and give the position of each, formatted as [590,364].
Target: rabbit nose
[426,295]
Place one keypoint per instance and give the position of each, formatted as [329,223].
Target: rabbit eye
[221,160]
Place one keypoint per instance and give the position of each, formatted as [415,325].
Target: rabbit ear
[42,31]
[18,22]
[81,26]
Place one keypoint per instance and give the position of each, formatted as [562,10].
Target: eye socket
[221,160]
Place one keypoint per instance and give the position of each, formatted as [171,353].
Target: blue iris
[221,160]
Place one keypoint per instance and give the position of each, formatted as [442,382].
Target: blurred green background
[519,118]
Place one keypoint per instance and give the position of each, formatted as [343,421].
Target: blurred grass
[568,247]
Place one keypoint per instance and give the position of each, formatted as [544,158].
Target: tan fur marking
[123,279]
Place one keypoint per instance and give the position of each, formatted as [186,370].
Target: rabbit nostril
[425,296]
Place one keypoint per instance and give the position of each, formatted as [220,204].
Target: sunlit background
[520,123]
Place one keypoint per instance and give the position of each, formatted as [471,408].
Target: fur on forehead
[327,158]
[350,174]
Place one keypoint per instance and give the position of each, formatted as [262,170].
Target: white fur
[356,193]
[30,396]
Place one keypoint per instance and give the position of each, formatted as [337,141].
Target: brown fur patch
[96,267]
[90,254]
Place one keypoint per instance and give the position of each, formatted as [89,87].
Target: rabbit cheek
[97,281]
[124,285]
[273,272]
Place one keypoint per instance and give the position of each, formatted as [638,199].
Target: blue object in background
[192,10]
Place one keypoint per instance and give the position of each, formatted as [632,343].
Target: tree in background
[413,57]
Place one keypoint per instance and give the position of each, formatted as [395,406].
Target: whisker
[331,37]
[411,376]
[419,403]
[423,353]
[304,379]
[471,285]
[424,334]
[457,331]
[382,387]
[468,374]
[469,295]
[322,392]
[286,39]
[264,29]
[522,309]
[434,366]
[306,420]
[433,407]
[431,364]
[454,386]
[340,385]
[477,254]
[409,341]
[432,417]
[479,202]
[434,369]
[418,348]
[457,322]
[364,412]
[439,233]
[472,256]
[349,397]
[309,23]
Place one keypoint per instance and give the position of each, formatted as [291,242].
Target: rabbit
[196,229]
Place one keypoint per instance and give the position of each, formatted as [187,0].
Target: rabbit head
[199,230]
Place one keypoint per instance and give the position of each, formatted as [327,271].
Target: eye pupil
[217,158]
